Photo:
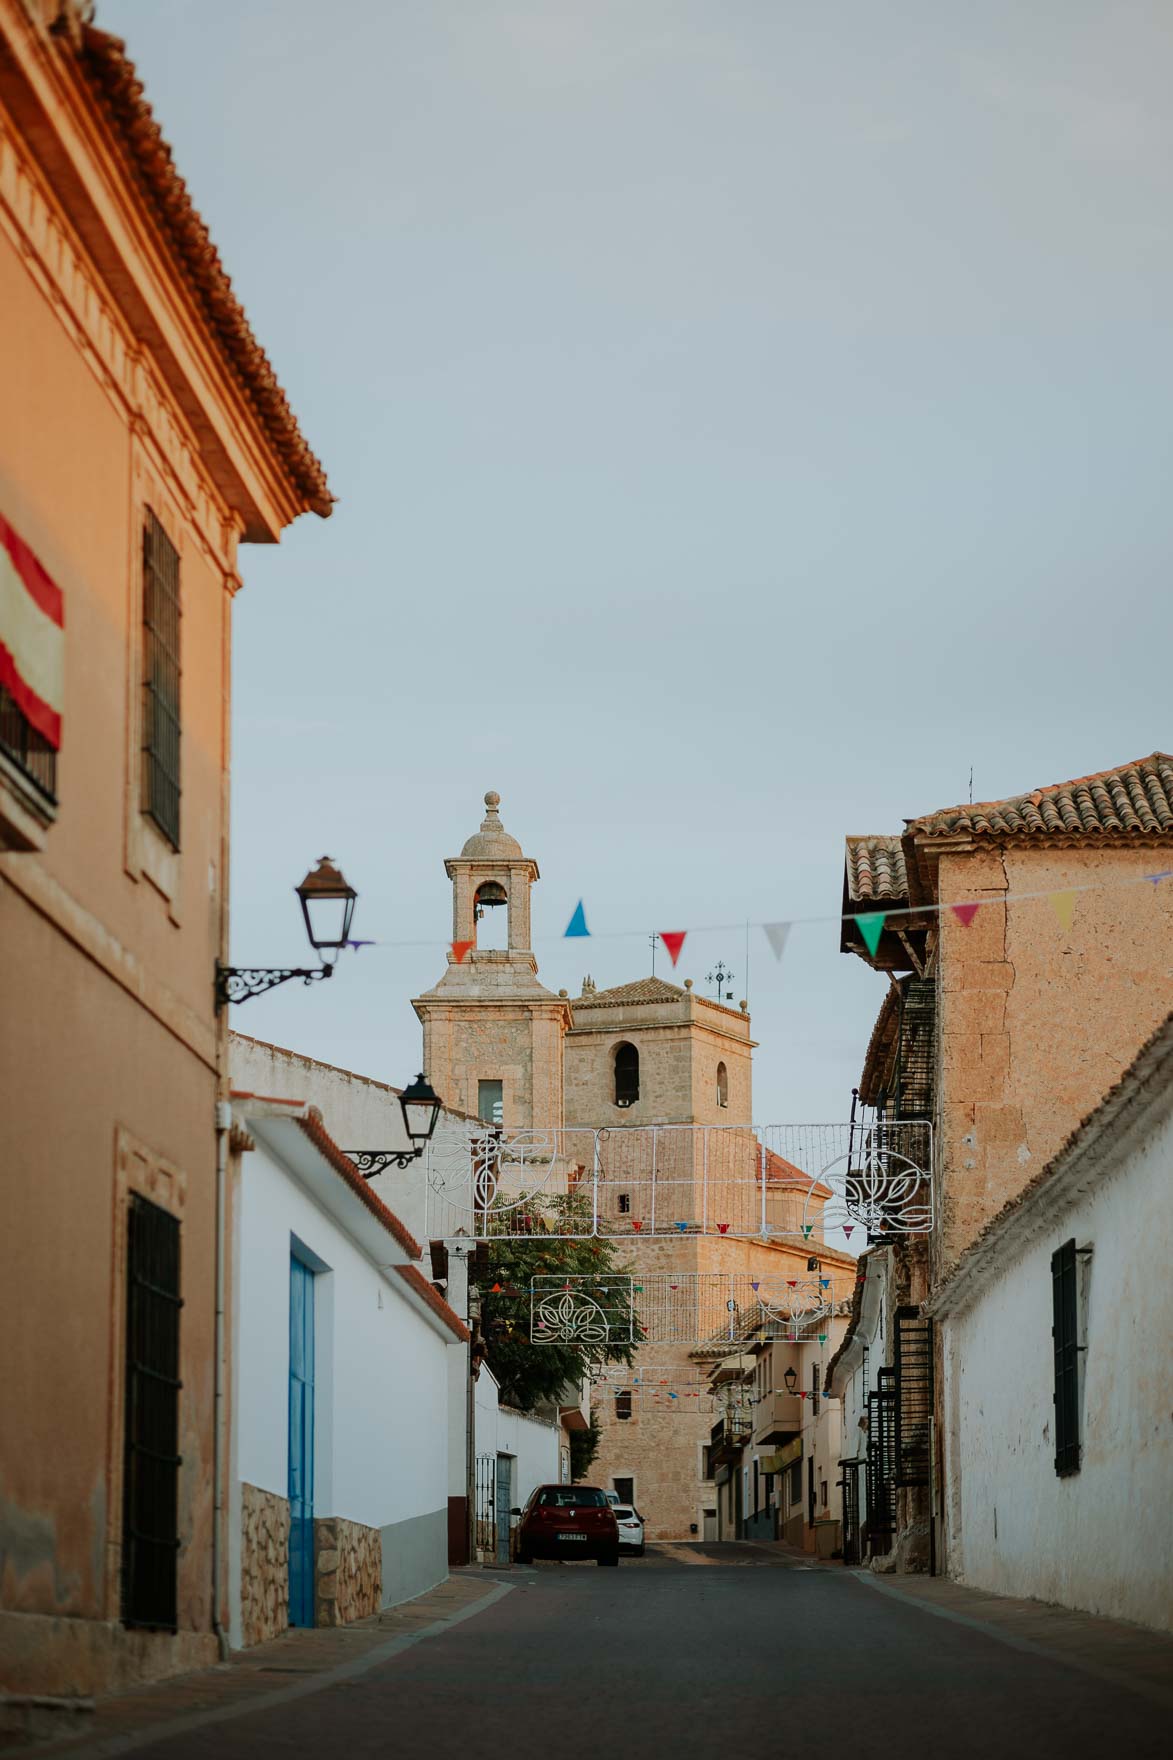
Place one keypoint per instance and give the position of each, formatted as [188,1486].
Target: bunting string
[870,921]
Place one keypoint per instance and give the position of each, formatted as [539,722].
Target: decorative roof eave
[881,1051]
[1092,1152]
[77,100]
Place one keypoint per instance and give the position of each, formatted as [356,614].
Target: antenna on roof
[653,939]
[971,785]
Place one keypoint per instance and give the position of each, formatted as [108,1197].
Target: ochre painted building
[144,438]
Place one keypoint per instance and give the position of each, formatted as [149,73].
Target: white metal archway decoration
[804,1183]
[693,1307]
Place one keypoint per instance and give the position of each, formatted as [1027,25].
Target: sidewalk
[288,1667]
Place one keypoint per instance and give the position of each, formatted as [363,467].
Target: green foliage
[584,1446]
[532,1375]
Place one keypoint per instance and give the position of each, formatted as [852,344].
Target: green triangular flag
[871,927]
[822,1338]
[806,1230]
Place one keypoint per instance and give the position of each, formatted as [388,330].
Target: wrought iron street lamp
[421,1106]
[327,906]
[791,1379]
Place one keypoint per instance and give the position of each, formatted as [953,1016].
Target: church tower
[492,1034]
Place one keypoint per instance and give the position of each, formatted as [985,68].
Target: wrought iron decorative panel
[688,1307]
[629,1183]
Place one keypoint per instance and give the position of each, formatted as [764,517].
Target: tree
[531,1374]
[584,1446]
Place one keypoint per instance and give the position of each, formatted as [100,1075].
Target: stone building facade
[644,1053]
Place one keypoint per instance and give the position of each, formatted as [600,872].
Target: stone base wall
[348,1571]
[264,1565]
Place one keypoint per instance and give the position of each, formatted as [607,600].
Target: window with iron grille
[29,750]
[161,674]
[1065,1336]
[815,1389]
[914,1396]
[151,1460]
[880,1462]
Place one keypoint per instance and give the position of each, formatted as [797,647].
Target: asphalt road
[666,1657]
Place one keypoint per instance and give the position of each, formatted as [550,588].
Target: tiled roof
[1133,800]
[344,1167]
[435,1301]
[875,869]
[643,990]
[112,76]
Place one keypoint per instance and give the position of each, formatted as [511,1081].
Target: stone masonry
[264,1565]
[348,1571]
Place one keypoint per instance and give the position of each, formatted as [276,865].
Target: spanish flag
[32,636]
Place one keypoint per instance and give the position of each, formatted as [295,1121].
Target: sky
[746,418]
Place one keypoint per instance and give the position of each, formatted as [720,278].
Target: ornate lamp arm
[238,983]
[369,1162]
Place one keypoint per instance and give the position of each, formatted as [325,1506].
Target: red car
[567,1521]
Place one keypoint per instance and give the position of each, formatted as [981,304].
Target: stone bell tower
[492,1034]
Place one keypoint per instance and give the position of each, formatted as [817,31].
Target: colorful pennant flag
[824,1282]
[682,1226]
[848,1228]
[965,913]
[871,927]
[722,1228]
[822,1338]
[577,924]
[673,940]
[460,948]
[1155,879]
[807,1229]
[776,934]
[637,1226]
[1063,905]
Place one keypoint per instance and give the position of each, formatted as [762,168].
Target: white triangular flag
[776,934]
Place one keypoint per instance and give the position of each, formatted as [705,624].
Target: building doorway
[504,1505]
[301,1443]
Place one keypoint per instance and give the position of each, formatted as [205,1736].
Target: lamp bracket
[238,983]
[370,1162]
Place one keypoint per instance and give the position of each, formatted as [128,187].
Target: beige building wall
[1037,1021]
[118,399]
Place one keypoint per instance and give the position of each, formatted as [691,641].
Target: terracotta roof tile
[643,990]
[119,90]
[435,1301]
[344,1167]
[1132,800]
[875,869]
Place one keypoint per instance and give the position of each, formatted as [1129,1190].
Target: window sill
[25,813]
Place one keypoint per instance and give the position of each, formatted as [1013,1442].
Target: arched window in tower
[722,1085]
[626,1075]
[491,917]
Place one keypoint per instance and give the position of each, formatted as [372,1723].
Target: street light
[421,1107]
[791,1379]
[327,905]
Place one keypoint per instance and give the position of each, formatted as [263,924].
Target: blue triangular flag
[577,923]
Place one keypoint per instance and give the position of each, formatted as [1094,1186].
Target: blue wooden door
[301,1444]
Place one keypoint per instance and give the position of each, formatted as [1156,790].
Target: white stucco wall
[382,1384]
[1101,1539]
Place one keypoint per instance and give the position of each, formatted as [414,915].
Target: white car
[631,1529]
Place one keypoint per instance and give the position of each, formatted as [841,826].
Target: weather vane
[720,978]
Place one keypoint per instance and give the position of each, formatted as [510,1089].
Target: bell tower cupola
[492,1033]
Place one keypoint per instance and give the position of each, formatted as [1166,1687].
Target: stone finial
[588,986]
[688,983]
[564,993]
[744,1006]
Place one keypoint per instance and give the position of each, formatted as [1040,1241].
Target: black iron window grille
[814,1390]
[151,1460]
[161,676]
[1065,1336]
[850,1485]
[881,1462]
[29,750]
[914,1396]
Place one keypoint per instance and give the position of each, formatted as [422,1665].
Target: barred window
[150,1515]
[28,749]
[161,675]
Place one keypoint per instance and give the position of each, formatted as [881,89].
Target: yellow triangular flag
[1063,905]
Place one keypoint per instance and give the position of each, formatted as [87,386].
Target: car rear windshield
[624,1514]
[572,1497]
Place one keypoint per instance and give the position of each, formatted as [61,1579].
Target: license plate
[572,1537]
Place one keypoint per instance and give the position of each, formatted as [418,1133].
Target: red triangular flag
[496,1290]
[460,948]
[722,1228]
[965,913]
[673,940]
[637,1226]
[847,1228]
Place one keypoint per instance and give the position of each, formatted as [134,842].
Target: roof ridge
[1134,766]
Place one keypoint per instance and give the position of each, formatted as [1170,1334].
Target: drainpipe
[223,1127]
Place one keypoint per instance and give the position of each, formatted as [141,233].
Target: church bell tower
[492,1034]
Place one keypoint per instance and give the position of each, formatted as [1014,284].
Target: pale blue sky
[745,417]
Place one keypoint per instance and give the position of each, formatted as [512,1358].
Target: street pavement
[698,1650]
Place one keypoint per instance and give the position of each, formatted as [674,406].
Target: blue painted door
[301,1444]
